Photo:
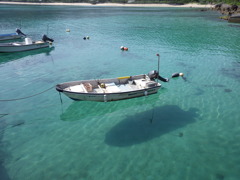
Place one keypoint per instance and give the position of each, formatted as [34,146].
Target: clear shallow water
[189,130]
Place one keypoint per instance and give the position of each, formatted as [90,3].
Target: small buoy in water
[124,48]
[87,37]
[67,30]
[177,75]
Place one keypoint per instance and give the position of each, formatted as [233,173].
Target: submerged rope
[2,115]
[27,96]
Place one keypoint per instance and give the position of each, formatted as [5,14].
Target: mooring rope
[2,115]
[27,96]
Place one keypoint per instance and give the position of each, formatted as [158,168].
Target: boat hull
[105,97]
[234,19]
[16,48]
[105,90]
[10,37]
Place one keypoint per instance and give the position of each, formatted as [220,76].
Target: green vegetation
[136,1]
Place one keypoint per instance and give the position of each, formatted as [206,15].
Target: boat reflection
[82,109]
[7,57]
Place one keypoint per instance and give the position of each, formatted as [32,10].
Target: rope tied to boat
[27,96]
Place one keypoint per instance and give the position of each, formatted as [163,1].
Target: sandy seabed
[191,5]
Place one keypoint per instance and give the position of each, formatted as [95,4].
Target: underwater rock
[220,176]
[180,134]
[227,90]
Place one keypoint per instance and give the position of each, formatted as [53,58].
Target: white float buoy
[124,48]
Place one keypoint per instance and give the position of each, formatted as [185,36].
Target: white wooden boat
[104,90]
[26,45]
[112,89]
[19,34]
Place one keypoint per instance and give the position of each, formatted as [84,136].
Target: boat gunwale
[20,48]
[10,34]
[20,45]
[93,93]
[234,17]
[10,37]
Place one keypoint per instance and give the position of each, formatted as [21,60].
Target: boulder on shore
[230,12]
[226,8]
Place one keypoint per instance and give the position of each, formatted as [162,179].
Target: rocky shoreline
[190,5]
[229,12]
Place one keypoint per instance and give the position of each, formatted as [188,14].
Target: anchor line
[27,96]
[2,115]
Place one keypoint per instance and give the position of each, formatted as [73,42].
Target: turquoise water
[188,130]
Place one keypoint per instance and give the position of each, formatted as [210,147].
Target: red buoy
[124,48]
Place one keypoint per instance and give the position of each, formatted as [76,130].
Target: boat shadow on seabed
[150,124]
[79,110]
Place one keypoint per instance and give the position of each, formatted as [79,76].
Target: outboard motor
[18,31]
[45,38]
[154,75]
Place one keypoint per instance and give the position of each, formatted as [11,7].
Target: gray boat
[234,18]
[19,34]
[26,45]
[112,89]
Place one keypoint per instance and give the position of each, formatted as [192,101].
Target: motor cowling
[153,74]
[45,38]
[18,31]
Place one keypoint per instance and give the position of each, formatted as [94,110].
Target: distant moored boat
[27,45]
[19,34]
[234,18]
